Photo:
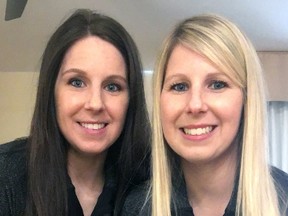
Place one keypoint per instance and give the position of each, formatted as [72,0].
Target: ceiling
[22,40]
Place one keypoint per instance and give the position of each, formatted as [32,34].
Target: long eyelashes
[181,86]
[113,87]
[213,84]
[218,84]
[78,83]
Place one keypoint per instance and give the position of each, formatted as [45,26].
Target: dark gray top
[138,202]
[13,183]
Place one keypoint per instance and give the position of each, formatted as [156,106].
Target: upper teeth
[198,131]
[93,126]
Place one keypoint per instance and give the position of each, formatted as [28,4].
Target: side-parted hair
[228,49]
[47,150]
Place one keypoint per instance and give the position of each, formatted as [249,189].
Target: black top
[138,202]
[13,183]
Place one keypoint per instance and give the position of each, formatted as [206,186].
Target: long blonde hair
[227,48]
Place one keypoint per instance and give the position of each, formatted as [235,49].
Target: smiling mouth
[93,126]
[198,131]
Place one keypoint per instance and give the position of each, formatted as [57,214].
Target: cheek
[125,102]
[124,109]
[67,105]
[171,107]
[119,107]
[230,109]
[164,111]
[61,109]
[58,105]
[169,113]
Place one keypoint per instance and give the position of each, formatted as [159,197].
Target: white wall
[148,91]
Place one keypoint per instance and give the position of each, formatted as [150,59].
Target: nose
[196,102]
[94,100]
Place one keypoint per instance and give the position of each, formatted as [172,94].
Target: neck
[87,175]
[86,170]
[210,185]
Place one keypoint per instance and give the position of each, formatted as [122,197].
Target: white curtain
[278,134]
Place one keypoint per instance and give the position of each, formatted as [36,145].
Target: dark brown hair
[47,168]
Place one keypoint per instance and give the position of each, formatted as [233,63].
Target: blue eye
[180,87]
[218,84]
[77,83]
[112,87]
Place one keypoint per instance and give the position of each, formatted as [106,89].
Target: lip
[198,132]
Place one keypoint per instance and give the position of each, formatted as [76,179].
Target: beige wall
[17,96]
[275,66]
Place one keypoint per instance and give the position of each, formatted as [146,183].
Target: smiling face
[92,95]
[200,108]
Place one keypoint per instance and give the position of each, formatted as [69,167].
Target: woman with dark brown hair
[90,129]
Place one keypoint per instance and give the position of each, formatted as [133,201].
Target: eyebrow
[183,75]
[82,72]
[220,74]
[72,70]
[113,77]
[178,75]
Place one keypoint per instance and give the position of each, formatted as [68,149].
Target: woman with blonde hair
[209,124]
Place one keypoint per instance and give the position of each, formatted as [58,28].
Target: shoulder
[13,146]
[137,203]
[12,177]
[281,184]
[12,156]
[280,178]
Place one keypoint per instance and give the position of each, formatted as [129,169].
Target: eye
[179,87]
[217,84]
[112,87]
[77,83]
